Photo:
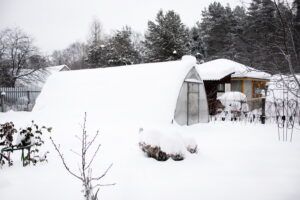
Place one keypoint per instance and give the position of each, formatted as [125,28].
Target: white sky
[55,24]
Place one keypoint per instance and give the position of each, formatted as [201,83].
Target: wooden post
[187,103]
[2,95]
[263,111]
[28,97]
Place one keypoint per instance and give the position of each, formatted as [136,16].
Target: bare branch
[63,160]
[100,185]
[92,159]
[75,153]
[92,141]
[104,174]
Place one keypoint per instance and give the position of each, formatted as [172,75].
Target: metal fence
[18,99]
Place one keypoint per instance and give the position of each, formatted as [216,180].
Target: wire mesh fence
[18,99]
[258,109]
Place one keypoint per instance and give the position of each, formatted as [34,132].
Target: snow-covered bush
[190,144]
[32,136]
[165,144]
[234,104]
[234,101]
[7,131]
[29,138]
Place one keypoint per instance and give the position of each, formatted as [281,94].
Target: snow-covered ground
[235,161]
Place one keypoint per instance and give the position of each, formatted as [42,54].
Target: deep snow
[235,161]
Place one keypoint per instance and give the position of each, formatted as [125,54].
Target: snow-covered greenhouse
[154,93]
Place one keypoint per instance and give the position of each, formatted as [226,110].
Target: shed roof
[215,70]
[219,68]
[143,93]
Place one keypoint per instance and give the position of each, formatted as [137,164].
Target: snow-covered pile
[168,142]
[234,101]
[238,160]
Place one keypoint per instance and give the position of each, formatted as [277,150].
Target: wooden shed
[216,75]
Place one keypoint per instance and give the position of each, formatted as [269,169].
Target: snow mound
[234,101]
[232,96]
[188,58]
[190,144]
[166,141]
[170,142]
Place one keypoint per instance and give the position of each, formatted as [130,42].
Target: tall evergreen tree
[96,52]
[166,38]
[216,30]
[115,51]
[121,50]
[196,44]
[236,20]
[265,36]
[296,22]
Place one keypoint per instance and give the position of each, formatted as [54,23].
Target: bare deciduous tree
[19,58]
[96,32]
[73,56]
[85,174]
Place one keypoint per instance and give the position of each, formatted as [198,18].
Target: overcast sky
[55,24]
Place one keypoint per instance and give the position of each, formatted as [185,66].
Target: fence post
[2,95]
[28,97]
[263,111]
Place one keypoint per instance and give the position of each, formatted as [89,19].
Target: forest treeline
[264,35]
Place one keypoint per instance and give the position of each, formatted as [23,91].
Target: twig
[92,159]
[63,160]
[100,177]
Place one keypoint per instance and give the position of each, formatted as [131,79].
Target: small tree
[85,170]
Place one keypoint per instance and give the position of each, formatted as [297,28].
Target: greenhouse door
[192,103]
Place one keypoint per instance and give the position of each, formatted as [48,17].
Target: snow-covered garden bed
[235,161]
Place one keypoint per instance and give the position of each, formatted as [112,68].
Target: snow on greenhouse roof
[219,68]
[39,77]
[144,93]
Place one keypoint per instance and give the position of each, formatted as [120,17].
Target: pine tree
[296,22]
[97,55]
[166,37]
[216,27]
[264,34]
[196,43]
[121,50]
[237,50]
[96,51]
